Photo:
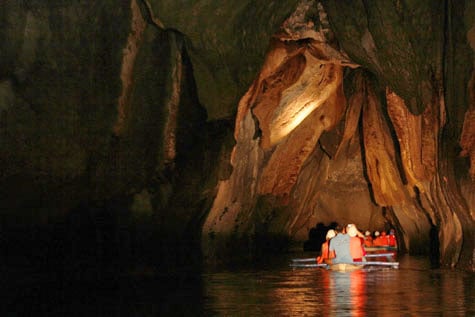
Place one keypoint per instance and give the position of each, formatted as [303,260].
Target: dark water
[270,288]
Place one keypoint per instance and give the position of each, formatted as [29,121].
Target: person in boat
[392,238]
[356,243]
[375,238]
[348,245]
[368,239]
[381,240]
[326,254]
[340,244]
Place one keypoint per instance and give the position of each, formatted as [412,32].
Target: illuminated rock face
[395,116]
[343,111]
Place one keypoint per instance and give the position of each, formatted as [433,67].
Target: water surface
[266,288]
[412,290]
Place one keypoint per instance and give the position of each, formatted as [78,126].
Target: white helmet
[330,234]
[352,231]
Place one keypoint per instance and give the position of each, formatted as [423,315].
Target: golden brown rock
[380,155]
[273,77]
[414,132]
[353,112]
[282,170]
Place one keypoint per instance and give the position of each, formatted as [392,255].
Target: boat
[300,264]
[384,253]
[369,260]
[307,263]
[345,267]
[379,256]
[385,248]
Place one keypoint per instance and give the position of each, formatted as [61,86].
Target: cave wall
[106,154]
[60,81]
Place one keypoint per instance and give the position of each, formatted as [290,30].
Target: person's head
[351,230]
[383,233]
[376,233]
[391,232]
[330,234]
[338,228]
[367,233]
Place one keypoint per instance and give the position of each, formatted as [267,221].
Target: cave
[145,131]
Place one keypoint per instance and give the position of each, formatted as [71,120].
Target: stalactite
[356,103]
[412,135]
[134,40]
[380,155]
[172,104]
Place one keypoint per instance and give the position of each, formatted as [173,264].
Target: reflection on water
[256,290]
[348,292]
[412,290]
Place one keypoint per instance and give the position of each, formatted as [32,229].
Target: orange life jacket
[368,241]
[356,249]
[326,253]
[380,241]
[392,240]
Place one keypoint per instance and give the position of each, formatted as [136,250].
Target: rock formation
[157,128]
